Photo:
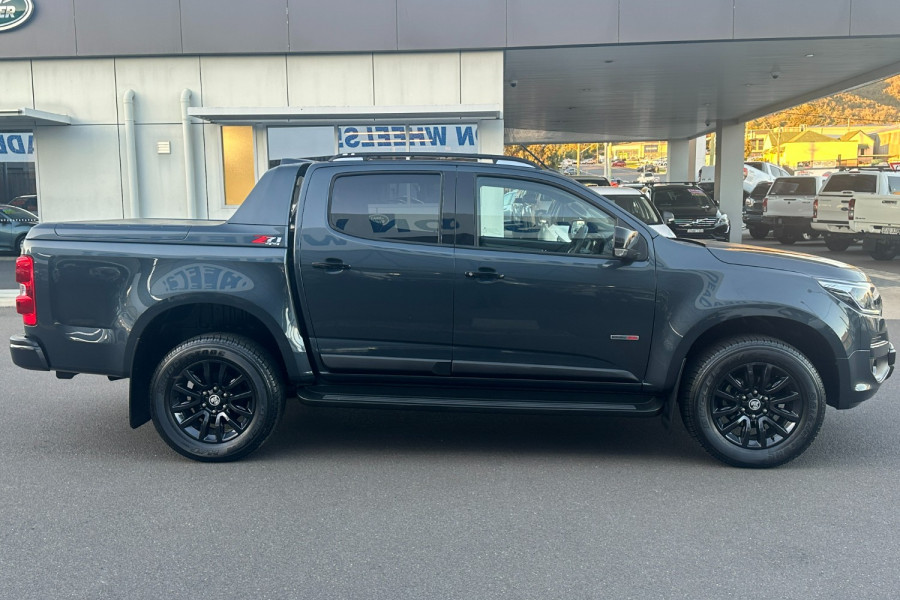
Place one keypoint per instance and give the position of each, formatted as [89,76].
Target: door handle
[331,265]
[484,274]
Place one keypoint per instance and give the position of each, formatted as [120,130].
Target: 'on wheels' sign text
[408,138]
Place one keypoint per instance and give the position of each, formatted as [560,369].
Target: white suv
[868,201]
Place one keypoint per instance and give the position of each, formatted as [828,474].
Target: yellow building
[809,148]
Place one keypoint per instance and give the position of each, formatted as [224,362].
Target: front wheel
[787,237]
[216,397]
[753,401]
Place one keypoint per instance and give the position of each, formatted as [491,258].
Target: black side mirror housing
[630,246]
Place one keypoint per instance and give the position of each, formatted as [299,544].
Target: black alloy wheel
[756,405]
[787,237]
[753,401]
[212,400]
[216,397]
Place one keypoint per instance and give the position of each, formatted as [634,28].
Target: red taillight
[815,208]
[25,300]
[765,204]
[851,209]
[745,172]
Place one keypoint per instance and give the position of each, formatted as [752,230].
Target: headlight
[861,296]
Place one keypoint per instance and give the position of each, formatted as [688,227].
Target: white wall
[81,167]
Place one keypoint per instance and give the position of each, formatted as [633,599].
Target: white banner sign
[408,138]
[16,147]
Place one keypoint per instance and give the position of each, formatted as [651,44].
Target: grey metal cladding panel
[438,25]
[667,21]
[114,27]
[49,32]
[564,22]
[234,26]
[875,17]
[791,19]
[343,25]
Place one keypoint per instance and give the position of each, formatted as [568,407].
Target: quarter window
[401,207]
[525,216]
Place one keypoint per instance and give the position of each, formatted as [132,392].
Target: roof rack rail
[494,158]
[866,168]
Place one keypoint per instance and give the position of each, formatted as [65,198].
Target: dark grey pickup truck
[473,283]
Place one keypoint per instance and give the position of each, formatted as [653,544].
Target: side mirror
[629,246]
[668,217]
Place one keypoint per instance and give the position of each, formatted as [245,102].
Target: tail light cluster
[25,305]
[851,209]
[765,204]
[745,173]
[816,208]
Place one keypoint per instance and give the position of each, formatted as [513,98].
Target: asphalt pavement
[350,503]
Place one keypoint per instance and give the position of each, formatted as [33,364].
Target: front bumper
[864,371]
[28,353]
[702,233]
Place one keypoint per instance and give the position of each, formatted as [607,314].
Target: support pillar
[730,174]
[696,157]
[678,161]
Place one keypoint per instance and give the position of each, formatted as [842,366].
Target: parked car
[788,207]
[837,203]
[753,211]
[618,163]
[695,215]
[646,178]
[754,173]
[28,202]
[591,180]
[638,204]
[15,223]
[870,197]
[378,282]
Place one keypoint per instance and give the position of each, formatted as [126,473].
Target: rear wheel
[216,397]
[837,243]
[758,233]
[787,237]
[883,252]
[753,401]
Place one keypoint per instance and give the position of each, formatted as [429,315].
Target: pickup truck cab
[872,198]
[856,203]
[446,282]
[788,207]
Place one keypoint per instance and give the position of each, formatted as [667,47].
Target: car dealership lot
[396,504]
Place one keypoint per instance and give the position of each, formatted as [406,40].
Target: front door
[539,293]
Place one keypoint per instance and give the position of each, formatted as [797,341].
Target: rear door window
[399,207]
[855,182]
[800,186]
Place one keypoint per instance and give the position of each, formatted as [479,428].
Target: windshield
[17,214]
[755,165]
[854,182]
[793,185]
[638,205]
[760,191]
[691,197]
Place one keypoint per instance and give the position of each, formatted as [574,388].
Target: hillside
[875,103]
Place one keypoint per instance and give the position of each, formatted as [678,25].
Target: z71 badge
[268,240]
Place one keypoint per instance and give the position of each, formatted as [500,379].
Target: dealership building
[173,109]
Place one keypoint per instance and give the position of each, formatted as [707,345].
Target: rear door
[376,265]
[791,197]
[833,202]
[538,293]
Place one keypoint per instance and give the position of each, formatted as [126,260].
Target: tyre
[883,252]
[758,233]
[837,243]
[753,401]
[216,397]
[787,237]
